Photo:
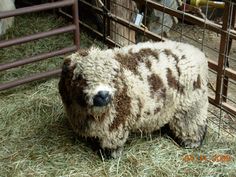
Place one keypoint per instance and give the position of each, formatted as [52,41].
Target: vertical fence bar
[145,20]
[75,9]
[104,18]
[222,59]
[108,5]
[226,79]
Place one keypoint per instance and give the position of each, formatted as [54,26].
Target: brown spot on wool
[155,83]
[148,64]
[122,107]
[157,110]
[197,84]
[78,87]
[131,60]
[71,92]
[140,107]
[127,61]
[168,52]
[65,81]
[64,92]
[183,57]
[83,122]
[173,83]
[142,54]
[163,93]
[178,70]
[148,52]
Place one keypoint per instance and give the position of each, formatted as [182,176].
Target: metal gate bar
[36,36]
[36,58]
[70,28]
[36,8]
[35,77]
[222,54]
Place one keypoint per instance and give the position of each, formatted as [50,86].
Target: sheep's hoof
[110,153]
[188,144]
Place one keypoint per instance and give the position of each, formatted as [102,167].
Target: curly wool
[151,84]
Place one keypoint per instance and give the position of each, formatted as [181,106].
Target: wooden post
[119,33]
[222,81]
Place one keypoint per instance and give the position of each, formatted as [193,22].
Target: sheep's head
[88,80]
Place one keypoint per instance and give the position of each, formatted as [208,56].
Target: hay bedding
[36,140]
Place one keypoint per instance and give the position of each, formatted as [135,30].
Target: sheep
[108,94]
[6,23]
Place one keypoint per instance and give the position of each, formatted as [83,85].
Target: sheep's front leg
[108,153]
[112,145]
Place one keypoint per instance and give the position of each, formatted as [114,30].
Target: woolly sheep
[107,94]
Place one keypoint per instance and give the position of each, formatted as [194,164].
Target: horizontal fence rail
[36,8]
[33,37]
[28,79]
[36,58]
[43,56]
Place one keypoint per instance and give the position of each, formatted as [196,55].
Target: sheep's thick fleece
[151,84]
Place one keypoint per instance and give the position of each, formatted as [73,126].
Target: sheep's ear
[65,80]
[68,66]
[83,52]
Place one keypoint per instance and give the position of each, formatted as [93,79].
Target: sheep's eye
[81,98]
[78,86]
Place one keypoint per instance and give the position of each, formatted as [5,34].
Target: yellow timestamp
[224,158]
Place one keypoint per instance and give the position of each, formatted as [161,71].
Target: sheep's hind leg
[189,126]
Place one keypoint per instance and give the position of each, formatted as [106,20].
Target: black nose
[102,98]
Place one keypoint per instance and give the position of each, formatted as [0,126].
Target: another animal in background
[107,94]
[6,23]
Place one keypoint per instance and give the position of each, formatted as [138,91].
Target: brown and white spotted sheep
[110,93]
